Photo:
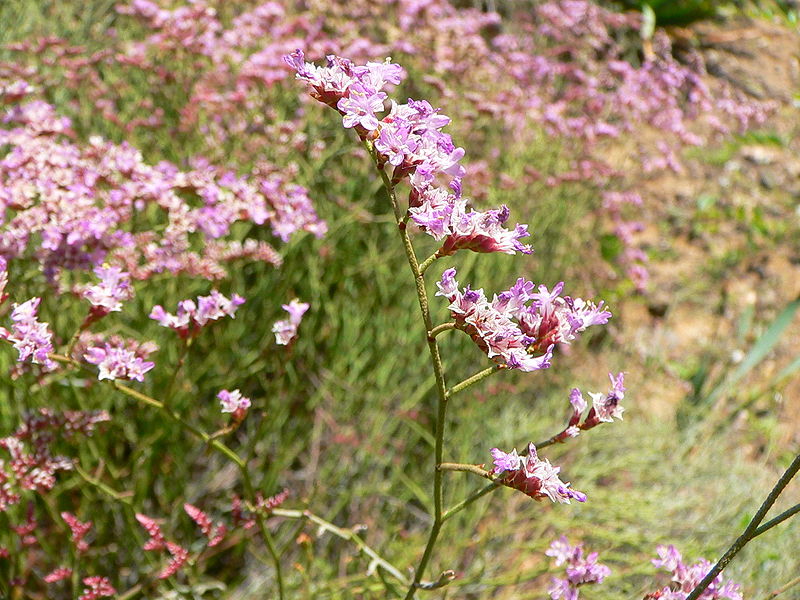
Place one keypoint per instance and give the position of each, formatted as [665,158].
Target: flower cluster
[74,206]
[285,330]
[409,138]
[79,530]
[32,464]
[97,587]
[533,476]
[178,554]
[118,361]
[113,289]
[686,577]
[513,332]
[215,532]
[605,408]
[581,570]
[233,402]
[191,316]
[31,338]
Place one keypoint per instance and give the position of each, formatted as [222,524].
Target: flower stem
[777,592]
[345,534]
[440,329]
[457,508]
[438,372]
[428,262]
[474,379]
[475,469]
[750,532]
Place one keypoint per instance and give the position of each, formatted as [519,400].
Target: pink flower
[114,289]
[117,362]
[31,338]
[233,401]
[97,587]
[580,570]
[532,476]
[519,327]
[191,317]
[285,330]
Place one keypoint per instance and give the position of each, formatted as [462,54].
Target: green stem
[783,588]
[440,329]
[777,520]
[457,508]
[474,469]
[345,534]
[438,373]
[474,379]
[428,262]
[750,531]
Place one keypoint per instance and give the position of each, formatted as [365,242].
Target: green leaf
[759,351]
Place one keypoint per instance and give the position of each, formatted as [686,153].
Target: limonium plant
[75,209]
[519,328]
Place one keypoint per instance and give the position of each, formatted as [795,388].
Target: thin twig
[345,534]
[750,531]
[783,588]
[440,329]
[481,375]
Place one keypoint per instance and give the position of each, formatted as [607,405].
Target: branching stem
[438,371]
[751,531]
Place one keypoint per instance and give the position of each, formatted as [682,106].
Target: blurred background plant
[569,119]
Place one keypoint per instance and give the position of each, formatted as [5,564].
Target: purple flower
[31,338]
[503,461]
[686,577]
[579,570]
[114,288]
[519,327]
[446,216]
[396,143]
[285,330]
[233,401]
[360,106]
[117,362]
[532,476]
[191,317]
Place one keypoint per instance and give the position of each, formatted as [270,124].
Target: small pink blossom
[79,530]
[285,330]
[156,541]
[117,362]
[580,570]
[233,401]
[114,289]
[31,338]
[97,587]
[58,574]
[191,317]
[532,476]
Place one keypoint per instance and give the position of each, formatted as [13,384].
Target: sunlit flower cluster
[686,577]
[580,570]
[533,476]
[520,327]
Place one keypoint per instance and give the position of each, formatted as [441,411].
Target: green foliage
[677,12]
